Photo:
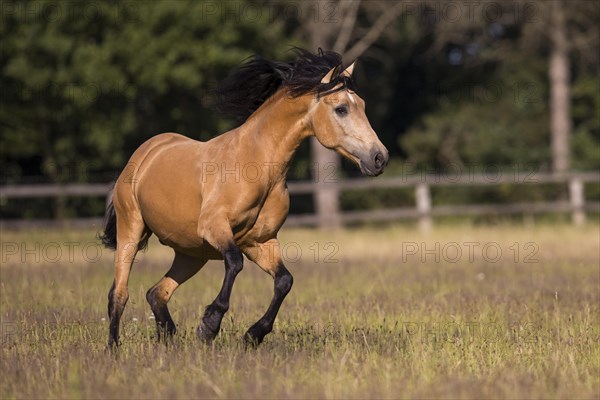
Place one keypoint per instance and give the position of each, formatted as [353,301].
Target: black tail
[109,238]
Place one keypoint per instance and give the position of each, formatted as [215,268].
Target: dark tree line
[446,83]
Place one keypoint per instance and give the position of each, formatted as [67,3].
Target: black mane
[257,79]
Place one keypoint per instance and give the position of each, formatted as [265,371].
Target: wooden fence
[423,210]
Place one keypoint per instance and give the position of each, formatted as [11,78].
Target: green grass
[375,322]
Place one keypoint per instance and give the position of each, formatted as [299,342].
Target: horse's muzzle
[375,163]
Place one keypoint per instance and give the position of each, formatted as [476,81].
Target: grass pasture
[463,312]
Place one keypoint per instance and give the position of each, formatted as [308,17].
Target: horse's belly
[191,248]
[169,194]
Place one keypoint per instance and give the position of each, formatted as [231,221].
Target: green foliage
[86,83]
[478,136]
[490,112]
[586,115]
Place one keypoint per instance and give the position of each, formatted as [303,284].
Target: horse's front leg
[234,262]
[268,257]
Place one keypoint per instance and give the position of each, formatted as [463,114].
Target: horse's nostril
[379,159]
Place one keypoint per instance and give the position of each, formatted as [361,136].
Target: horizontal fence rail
[423,211]
[55,190]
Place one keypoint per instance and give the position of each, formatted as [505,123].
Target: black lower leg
[116,305]
[111,302]
[165,327]
[213,315]
[283,285]
[113,330]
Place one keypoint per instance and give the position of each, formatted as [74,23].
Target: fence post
[423,198]
[326,195]
[577,200]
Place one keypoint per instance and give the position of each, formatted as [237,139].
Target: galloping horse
[227,197]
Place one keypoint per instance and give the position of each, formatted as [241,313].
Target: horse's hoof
[165,334]
[250,341]
[112,348]
[166,339]
[204,334]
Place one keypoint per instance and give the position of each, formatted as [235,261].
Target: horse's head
[339,122]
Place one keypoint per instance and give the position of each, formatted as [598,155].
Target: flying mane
[257,79]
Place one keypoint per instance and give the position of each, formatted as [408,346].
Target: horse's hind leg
[130,231]
[182,269]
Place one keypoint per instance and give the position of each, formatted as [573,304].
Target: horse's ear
[348,71]
[329,75]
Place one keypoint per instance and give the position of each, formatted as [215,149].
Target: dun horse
[227,197]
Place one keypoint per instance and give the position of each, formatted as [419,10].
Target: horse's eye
[341,110]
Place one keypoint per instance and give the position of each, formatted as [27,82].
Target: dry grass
[375,322]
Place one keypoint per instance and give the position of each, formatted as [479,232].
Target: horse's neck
[275,131]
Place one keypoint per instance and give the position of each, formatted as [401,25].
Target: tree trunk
[560,90]
[336,34]
[326,163]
